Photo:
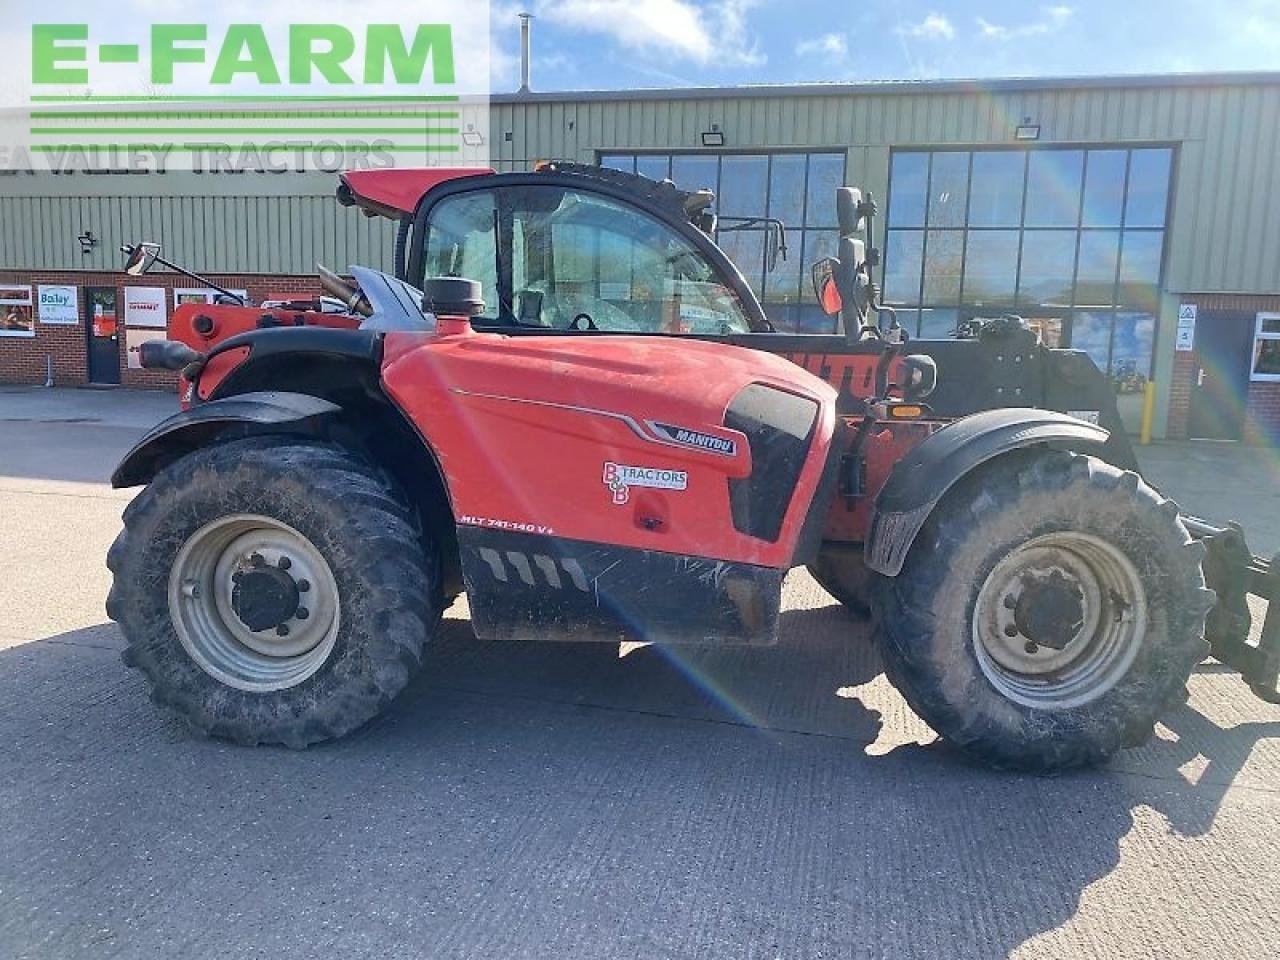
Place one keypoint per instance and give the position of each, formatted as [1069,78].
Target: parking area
[571,801]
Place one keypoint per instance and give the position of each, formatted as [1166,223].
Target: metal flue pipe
[526,20]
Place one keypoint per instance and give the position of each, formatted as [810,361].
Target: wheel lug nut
[282,630]
[1010,601]
[1010,631]
[191,589]
[256,559]
[284,563]
[303,585]
[302,613]
[1032,647]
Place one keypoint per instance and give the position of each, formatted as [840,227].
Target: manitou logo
[620,478]
[693,438]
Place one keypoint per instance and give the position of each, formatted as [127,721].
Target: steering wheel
[557,306]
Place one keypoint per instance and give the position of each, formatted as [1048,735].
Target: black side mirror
[140,257]
[920,377]
[850,211]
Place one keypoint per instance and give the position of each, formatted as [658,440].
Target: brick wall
[1263,423]
[1262,410]
[23,359]
[1180,394]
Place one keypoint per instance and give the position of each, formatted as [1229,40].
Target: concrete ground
[561,801]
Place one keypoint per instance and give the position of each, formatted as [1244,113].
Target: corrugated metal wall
[244,223]
[1226,208]
[1225,232]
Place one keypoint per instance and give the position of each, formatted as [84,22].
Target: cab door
[566,257]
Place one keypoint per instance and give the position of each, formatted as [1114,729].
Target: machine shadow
[790,686]
[746,761]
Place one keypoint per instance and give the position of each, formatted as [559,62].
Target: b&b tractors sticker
[620,478]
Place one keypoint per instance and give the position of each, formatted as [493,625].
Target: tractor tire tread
[388,583]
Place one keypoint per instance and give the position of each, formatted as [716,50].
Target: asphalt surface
[564,801]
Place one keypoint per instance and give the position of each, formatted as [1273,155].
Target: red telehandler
[606,440]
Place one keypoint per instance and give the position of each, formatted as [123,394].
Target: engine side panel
[619,441]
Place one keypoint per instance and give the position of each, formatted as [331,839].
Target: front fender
[243,415]
[921,478]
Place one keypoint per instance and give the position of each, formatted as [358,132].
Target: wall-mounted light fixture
[713,137]
[472,137]
[87,241]
[1027,130]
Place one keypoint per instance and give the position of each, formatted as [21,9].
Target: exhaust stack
[525,52]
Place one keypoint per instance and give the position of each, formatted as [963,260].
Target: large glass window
[995,194]
[1073,239]
[796,188]
[1266,347]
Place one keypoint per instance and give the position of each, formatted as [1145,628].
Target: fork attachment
[1233,573]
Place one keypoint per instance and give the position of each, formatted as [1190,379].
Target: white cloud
[707,33]
[1054,18]
[933,27]
[829,44]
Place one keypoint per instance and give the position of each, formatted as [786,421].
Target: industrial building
[1134,218]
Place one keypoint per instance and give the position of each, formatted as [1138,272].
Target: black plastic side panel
[928,471]
[239,416]
[524,586]
[779,429]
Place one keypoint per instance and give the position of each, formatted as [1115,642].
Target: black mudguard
[920,479]
[239,416]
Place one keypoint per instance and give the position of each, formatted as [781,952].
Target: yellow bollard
[1148,412]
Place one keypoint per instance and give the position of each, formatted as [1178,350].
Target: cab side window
[585,261]
[462,242]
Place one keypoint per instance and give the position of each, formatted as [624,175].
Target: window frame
[1117,303]
[1260,335]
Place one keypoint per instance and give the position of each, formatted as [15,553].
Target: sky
[612,44]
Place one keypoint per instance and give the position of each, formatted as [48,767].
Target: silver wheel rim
[1059,621]
[203,603]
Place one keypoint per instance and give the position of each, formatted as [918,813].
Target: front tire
[273,590]
[1049,611]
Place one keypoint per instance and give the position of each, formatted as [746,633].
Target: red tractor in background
[607,441]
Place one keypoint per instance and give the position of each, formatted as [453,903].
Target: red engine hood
[394,193]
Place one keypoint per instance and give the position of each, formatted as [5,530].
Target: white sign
[185,295]
[133,341]
[620,478]
[145,307]
[1186,338]
[59,304]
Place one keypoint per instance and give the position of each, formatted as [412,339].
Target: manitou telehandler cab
[608,442]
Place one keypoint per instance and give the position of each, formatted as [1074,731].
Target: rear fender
[921,478]
[245,415]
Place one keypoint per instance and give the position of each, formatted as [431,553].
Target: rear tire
[361,592]
[1049,611]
